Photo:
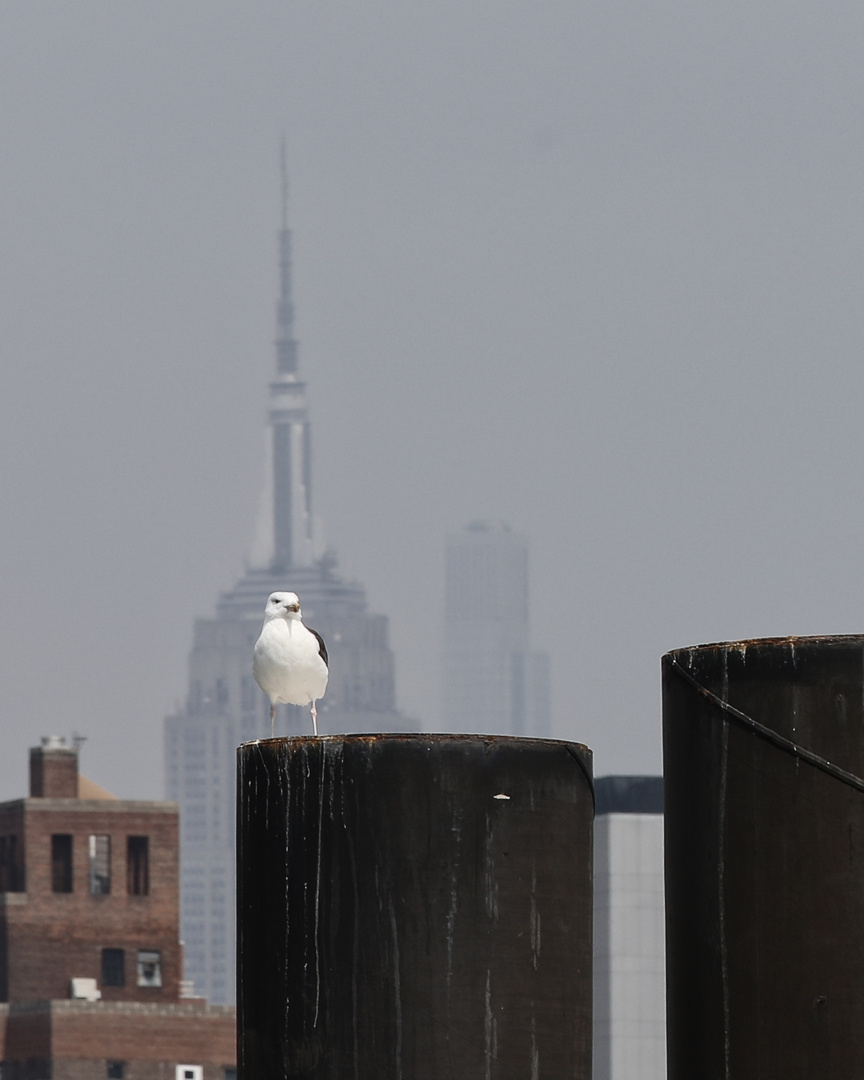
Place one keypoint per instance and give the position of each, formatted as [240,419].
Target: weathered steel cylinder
[763,761]
[414,906]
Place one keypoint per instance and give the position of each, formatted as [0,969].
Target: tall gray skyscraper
[224,705]
[493,682]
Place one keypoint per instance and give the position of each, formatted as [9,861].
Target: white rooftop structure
[629,930]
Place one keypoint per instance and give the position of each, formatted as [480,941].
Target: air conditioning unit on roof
[84,990]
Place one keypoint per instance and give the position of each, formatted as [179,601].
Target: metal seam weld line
[765,732]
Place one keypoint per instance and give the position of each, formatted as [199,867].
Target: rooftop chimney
[53,770]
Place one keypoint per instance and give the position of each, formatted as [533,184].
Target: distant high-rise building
[224,706]
[629,930]
[493,682]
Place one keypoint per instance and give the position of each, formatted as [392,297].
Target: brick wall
[134,1070]
[193,1032]
[53,773]
[51,937]
[27,1036]
[79,1038]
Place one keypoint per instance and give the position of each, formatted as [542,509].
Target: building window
[9,875]
[229,1072]
[100,865]
[116,1070]
[189,1072]
[149,968]
[61,862]
[113,967]
[138,865]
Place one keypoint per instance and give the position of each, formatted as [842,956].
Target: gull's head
[282,605]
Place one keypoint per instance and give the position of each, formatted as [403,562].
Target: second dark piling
[763,760]
[414,906]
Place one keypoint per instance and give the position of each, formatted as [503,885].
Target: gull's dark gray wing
[322,648]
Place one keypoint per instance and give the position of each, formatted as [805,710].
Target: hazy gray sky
[595,269]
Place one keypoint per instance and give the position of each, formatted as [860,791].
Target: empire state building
[224,706]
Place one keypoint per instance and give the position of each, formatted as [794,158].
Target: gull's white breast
[287,664]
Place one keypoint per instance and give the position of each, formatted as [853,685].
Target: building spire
[284,185]
[289,422]
[286,346]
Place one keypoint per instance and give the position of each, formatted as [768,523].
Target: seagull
[290,660]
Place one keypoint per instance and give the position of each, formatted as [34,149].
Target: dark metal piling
[763,760]
[414,907]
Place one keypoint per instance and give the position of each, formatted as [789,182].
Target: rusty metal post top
[432,738]
[802,693]
[436,747]
[769,643]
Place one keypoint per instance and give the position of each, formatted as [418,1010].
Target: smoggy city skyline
[594,272]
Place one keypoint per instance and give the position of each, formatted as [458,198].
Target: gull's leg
[314,719]
[272,720]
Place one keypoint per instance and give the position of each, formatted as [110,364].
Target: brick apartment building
[90,957]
